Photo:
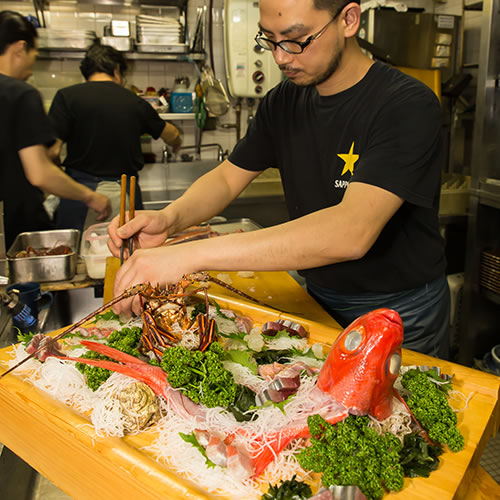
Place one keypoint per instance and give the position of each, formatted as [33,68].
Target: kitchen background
[470,201]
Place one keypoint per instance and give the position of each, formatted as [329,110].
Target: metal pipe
[220,151]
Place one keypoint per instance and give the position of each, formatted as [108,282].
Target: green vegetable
[25,338]
[243,358]
[107,316]
[288,490]
[350,453]
[200,375]
[191,439]
[429,404]
[418,457]
[244,401]
[279,335]
[269,356]
[125,340]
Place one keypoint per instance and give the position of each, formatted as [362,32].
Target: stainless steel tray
[44,268]
[232,225]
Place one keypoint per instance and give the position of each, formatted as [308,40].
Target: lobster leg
[207,331]
[126,294]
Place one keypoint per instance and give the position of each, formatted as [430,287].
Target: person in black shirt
[102,122]
[25,168]
[359,148]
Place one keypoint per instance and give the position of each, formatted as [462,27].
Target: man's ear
[19,48]
[352,19]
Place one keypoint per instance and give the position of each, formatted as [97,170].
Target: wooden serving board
[62,445]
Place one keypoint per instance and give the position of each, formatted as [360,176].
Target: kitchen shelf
[131,56]
[177,116]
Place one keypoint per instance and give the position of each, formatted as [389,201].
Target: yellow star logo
[350,159]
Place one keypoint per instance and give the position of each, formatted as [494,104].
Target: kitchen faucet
[220,152]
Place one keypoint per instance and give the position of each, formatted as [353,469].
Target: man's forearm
[43,174]
[205,198]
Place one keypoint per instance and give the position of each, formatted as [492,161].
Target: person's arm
[172,136]
[206,197]
[43,174]
[54,151]
[335,234]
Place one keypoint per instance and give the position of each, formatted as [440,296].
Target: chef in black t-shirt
[101,123]
[358,145]
[25,168]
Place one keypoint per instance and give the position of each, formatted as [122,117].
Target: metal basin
[162,183]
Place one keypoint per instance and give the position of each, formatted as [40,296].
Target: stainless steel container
[44,268]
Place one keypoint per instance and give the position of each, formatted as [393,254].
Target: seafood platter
[208,397]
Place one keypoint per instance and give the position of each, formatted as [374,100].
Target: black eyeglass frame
[259,38]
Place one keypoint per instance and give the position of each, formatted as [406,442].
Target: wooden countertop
[61,445]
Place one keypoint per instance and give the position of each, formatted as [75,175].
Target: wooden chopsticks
[131,211]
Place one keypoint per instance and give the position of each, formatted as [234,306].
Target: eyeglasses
[292,46]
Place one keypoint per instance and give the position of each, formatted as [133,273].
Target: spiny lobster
[160,308]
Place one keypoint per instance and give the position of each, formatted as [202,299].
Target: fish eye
[353,340]
[394,363]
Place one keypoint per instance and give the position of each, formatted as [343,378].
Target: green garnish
[418,457]
[107,316]
[350,453]
[25,338]
[429,404]
[288,490]
[125,340]
[191,439]
[200,375]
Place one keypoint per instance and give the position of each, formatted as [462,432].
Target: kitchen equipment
[26,302]
[119,28]
[95,249]
[251,70]
[45,267]
[120,43]
[52,38]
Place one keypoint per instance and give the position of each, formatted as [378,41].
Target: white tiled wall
[50,75]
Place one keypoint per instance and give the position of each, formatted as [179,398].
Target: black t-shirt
[384,131]
[23,123]
[102,124]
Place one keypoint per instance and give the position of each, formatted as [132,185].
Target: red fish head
[364,362]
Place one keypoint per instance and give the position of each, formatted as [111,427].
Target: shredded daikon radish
[287,343]
[399,423]
[460,397]
[243,376]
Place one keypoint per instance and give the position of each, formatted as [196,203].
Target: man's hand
[157,266]
[149,228]
[100,204]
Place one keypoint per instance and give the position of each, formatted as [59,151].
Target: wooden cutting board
[62,445]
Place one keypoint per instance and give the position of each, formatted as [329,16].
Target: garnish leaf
[243,358]
[191,439]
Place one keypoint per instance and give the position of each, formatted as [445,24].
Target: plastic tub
[94,249]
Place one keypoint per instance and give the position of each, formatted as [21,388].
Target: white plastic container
[94,249]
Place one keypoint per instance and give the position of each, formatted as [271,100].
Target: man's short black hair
[15,27]
[102,59]
[332,6]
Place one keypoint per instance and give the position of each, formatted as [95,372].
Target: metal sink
[161,183]
[262,200]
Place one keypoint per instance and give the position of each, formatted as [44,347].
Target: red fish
[363,364]
[357,377]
